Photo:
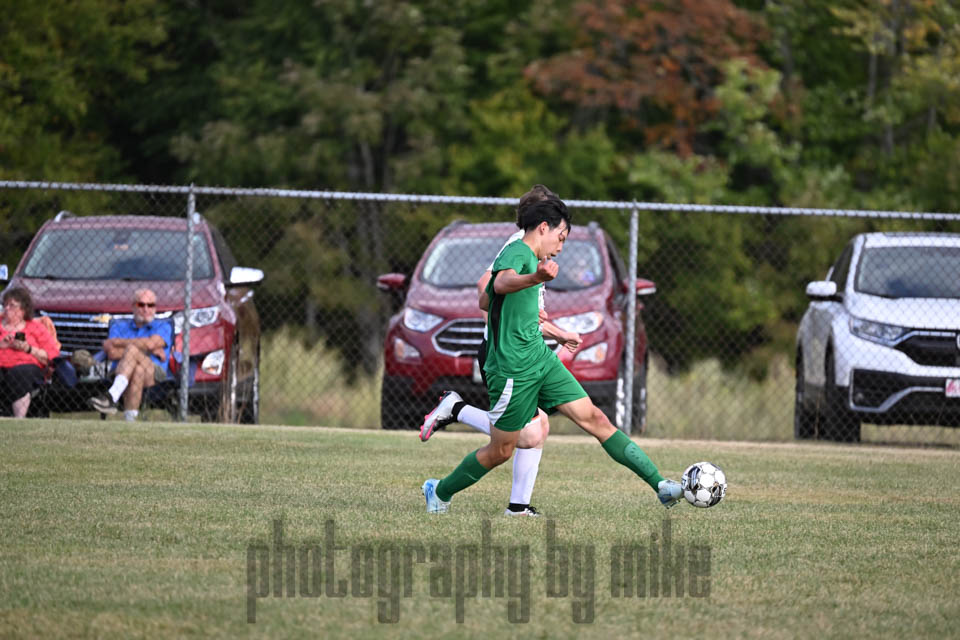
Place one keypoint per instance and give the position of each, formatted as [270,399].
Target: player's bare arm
[482,293]
[570,340]
[509,281]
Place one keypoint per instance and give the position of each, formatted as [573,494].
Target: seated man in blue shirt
[140,348]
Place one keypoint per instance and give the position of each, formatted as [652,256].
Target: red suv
[431,343]
[82,272]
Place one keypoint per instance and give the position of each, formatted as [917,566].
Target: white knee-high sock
[526,465]
[476,418]
[119,386]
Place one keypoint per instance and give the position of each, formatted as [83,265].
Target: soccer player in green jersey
[523,373]
[452,408]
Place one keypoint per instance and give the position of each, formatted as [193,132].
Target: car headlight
[580,323]
[594,355]
[202,317]
[887,334]
[420,320]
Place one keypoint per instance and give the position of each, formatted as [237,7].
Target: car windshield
[910,272]
[459,263]
[117,254]
[581,266]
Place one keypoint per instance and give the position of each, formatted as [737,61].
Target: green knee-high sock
[622,449]
[467,472]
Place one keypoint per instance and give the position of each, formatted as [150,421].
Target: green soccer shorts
[514,400]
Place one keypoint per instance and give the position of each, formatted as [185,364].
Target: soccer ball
[704,484]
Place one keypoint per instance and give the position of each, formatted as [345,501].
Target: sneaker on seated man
[139,351]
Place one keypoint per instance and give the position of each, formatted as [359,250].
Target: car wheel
[398,408]
[839,423]
[250,411]
[804,420]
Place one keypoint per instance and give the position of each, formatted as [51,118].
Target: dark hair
[552,211]
[537,193]
[22,296]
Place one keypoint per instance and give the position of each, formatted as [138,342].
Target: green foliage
[516,141]
[344,96]
[61,65]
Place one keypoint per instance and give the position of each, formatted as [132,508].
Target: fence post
[188,288]
[631,344]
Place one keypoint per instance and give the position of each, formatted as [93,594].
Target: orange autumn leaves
[653,63]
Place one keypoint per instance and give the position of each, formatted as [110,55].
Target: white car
[880,341]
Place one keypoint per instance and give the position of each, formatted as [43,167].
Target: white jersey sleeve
[516,236]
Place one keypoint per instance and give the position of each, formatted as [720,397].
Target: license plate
[479,380]
[952,390]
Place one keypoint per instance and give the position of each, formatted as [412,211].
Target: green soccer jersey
[515,344]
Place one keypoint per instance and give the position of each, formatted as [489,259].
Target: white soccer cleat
[669,492]
[441,415]
[528,512]
[434,504]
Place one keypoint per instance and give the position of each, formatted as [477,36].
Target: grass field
[111,530]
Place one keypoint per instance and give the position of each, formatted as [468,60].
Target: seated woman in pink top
[26,347]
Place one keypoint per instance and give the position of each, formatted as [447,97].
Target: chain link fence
[358,310]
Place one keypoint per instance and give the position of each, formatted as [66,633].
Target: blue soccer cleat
[669,492]
[434,504]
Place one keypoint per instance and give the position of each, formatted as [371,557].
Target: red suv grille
[79,331]
[463,337]
[460,337]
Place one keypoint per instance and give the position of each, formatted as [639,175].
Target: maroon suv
[82,272]
[431,342]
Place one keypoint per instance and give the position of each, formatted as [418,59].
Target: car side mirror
[4,274]
[644,287]
[245,276]
[823,290]
[392,282]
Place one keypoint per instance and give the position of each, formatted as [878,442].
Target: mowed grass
[111,530]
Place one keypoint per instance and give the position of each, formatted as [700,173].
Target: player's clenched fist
[547,270]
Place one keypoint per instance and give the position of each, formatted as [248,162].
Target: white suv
[880,341]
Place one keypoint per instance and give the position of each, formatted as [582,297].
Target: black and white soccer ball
[704,484]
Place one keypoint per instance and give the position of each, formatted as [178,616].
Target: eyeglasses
[146,305]
[11,305]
